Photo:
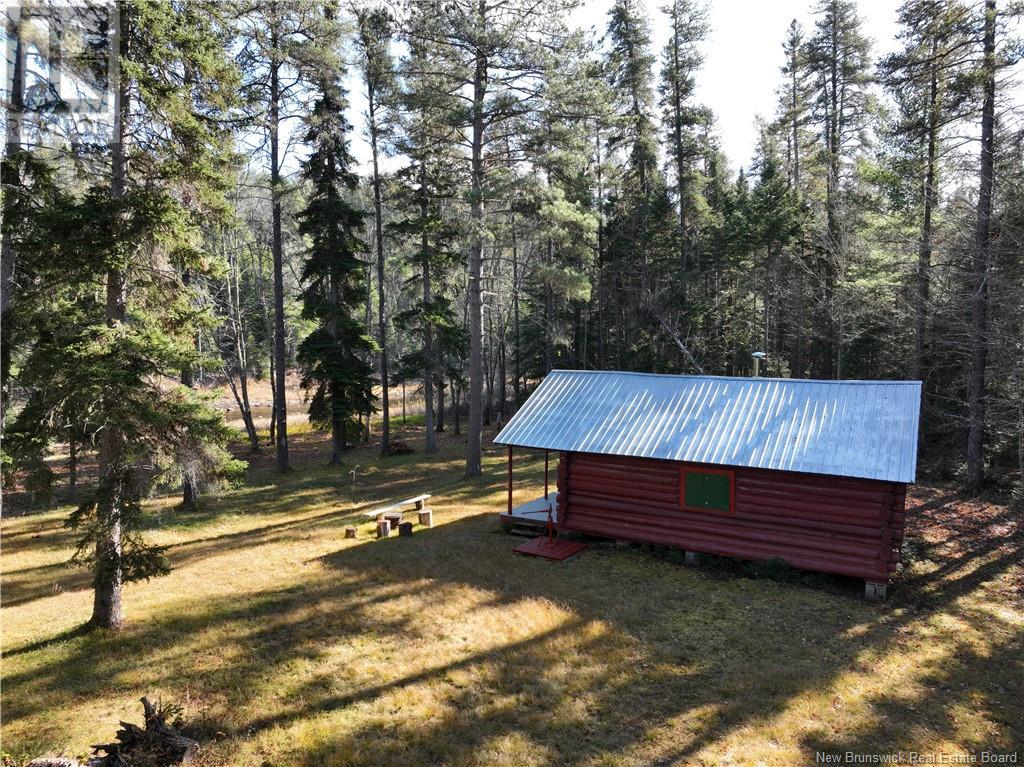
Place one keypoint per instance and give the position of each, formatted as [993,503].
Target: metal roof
[862,429]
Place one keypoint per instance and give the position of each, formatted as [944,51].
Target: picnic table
[396,508]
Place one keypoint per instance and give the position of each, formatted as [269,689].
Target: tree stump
[383,528]
[350,532]
[426,517]
[405,530]
[157,743]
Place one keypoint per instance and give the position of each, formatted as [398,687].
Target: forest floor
[290,645]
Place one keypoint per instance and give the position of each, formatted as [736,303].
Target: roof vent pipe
[758,356]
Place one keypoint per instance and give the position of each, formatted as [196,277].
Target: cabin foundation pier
[875,591]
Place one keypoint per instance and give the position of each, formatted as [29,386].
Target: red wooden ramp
[550,548]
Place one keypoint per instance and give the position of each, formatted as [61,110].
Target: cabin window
[706,490]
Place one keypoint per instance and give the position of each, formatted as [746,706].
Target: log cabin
[814,473]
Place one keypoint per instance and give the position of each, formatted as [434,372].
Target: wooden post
[545,475]
[509,479]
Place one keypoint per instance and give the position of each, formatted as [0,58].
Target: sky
[743,56]
[741,71]
[742,61]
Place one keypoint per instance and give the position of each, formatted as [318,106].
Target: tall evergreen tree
[128,240]
[838,55]
[373,39]
[428,189]
[922,79]
[680,61]
[278,45]
[980,262]
[794,102]
[333,356]
[495,52]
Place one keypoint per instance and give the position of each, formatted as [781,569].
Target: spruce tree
[333,357]
[130,322]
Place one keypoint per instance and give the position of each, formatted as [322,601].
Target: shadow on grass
[646,645]
[267,495]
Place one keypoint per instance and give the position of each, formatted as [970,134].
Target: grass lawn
[289,645]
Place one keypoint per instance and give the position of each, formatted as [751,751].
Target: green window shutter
[707,491]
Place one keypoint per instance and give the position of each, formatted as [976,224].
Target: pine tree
[333,356]
[922,80]
[794,103]
[682,57]
[640,230]
[373,39]
[980,261]
[838,56]
[278,46]
[496,51]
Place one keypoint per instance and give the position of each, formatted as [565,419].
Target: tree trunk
[980,266]
[280,390]
[189,477]
[241,356]
[456,406]
[474,446]
[439,426]
[273,400]
[428,328]
[382,335]
[113,474]
[924,253]
[834,254]
[72,461]
[337,422]
[516,359]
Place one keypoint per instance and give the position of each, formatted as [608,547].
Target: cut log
[426,518]
[405,530]
[350,532]
[383,528]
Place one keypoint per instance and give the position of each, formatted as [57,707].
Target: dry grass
[289,645]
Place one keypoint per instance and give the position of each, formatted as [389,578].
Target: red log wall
[830,524]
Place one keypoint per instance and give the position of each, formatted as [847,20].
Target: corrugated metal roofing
[862,429]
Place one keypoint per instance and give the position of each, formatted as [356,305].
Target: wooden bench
[396,508]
